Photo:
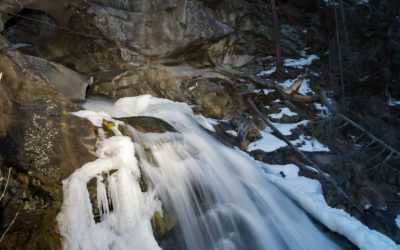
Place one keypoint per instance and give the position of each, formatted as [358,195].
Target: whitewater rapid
[219,195]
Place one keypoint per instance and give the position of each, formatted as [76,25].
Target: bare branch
[359,127]
[295,86]
[9,226]
[5,187]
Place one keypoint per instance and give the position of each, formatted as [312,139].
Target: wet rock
[147,124]
[162,225]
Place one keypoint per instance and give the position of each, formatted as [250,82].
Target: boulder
[208,90]
[66,81]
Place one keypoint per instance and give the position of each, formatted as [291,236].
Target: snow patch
[284,111]
[232,133]
[324,112]
[268,142]
[267,91]
[285,128]
[397,220]
[267,72]
[308,144]
[300,63]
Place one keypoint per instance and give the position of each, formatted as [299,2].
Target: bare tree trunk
[339,56]
[277,35]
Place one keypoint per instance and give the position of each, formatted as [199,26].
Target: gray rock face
[122,34]
[158,28]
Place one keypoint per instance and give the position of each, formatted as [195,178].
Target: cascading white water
[220,196]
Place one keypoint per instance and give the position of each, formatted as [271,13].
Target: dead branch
[293,96]
[5,187]
[1,197]
[358,137]
[295,86]
[342,126]
[9,226]
[354,124]
[294,148]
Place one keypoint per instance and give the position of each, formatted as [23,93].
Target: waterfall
[218,194]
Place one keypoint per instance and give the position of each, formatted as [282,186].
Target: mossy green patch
[108,124]
[162,225]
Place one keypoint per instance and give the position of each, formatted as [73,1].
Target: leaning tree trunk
[277,35]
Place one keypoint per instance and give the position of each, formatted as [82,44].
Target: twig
[378,154]
[359,137]
[9,226]
[5,187]
[1,197]
[370,143]
[342,126]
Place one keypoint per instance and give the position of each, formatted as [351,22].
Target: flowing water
[218,194]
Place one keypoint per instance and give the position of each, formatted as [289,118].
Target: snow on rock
[284,111]
[232,133]
[308,194]
[308,144]
[193,87]
[324,112]
[267,91]
[267,72]
[268,142]
[300,63]
[285,128]
[95,117]
[397,220]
